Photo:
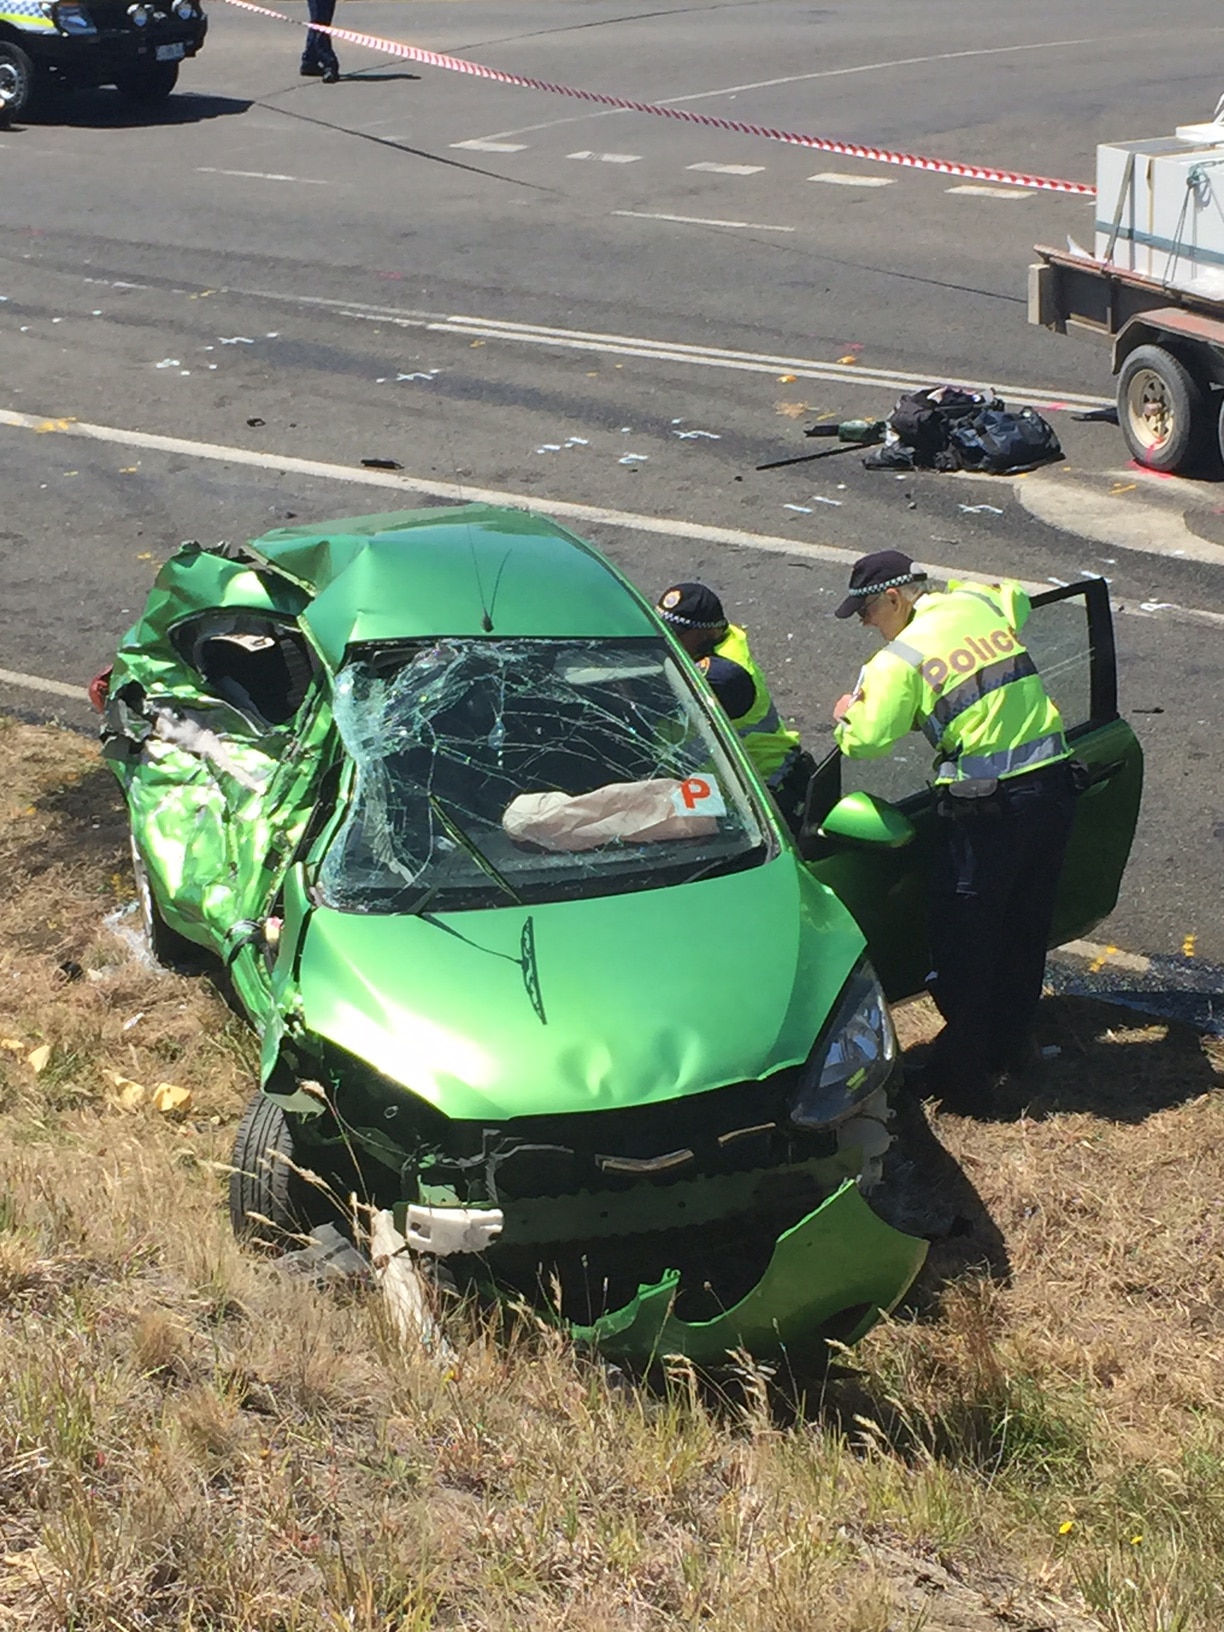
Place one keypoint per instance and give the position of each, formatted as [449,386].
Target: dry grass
[189,1440]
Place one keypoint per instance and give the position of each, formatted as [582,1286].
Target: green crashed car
[463,825]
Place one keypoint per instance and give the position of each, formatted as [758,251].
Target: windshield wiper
[455,832]
[725,864]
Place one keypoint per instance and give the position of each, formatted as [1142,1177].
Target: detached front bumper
[833,1273]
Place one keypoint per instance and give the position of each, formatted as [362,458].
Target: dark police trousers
[319,51]
[993,887]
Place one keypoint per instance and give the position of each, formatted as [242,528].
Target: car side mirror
[861,818]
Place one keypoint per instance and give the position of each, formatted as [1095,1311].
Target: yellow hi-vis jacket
[768,742]
[959,673]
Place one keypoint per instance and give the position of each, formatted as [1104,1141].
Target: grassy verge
[189,1440]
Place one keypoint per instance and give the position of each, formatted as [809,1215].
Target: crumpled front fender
[838,1258]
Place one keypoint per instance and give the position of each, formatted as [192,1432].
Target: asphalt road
[508,291]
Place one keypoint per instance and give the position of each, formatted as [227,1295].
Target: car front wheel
[16,81]
[151,84]
[265,1193]
[168,947]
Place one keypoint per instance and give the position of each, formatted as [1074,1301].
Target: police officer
[694,614]
[319,60]
[954,667]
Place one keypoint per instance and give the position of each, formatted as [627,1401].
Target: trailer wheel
[1162,409]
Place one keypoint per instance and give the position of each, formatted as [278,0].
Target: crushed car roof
[470,571]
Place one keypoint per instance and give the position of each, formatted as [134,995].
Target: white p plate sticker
[699,796]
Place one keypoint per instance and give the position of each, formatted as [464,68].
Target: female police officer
[953,666]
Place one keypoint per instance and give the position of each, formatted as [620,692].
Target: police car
[69,44]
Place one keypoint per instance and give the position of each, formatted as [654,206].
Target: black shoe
[311,70]
[331,75]
[1020,1060]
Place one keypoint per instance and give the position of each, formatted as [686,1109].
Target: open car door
[871,823]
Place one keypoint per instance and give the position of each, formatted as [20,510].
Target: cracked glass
[490,772]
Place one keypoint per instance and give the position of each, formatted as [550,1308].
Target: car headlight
[70,17]
[853,1058]
[140,15]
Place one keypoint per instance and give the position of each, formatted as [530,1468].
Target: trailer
[1168,351]
[1154,286]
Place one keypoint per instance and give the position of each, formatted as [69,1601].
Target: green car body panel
[579,1022]
[630,1014]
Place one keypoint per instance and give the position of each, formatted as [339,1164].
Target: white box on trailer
[1160,212]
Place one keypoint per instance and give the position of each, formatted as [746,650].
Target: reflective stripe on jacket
[768,742]
[959,673]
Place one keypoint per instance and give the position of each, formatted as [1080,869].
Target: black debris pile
[945,427]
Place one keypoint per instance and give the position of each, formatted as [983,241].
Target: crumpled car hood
[584,1005]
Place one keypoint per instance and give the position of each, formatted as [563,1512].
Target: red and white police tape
[821,144]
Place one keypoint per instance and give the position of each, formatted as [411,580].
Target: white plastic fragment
[403,1286]
[549,447]
[803,509]
[819,498]
[577,442]
[1157,606]
[443,1230]
[168,362]
[235,340]
[691,436]
[981,509]
[633,458]
[1060,583]
[427,376]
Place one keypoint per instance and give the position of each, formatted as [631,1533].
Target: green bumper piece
[840,1257]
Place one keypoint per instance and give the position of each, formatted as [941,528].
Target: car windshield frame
[494,771]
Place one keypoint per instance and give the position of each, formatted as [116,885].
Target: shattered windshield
[494,771]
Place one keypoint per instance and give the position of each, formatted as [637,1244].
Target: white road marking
[259,175]
[974,190]
[844,178]
[482,146]
[698,221]
[616,345]
[821,73]
[728,169]
[462,493]
[606,158]
[53,688]
[622,345]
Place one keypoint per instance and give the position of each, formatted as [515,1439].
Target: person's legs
[980,870]
[971,880]
[319,56]
[1041,813]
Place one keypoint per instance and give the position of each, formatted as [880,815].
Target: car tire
[1162,410]
[168,947]
[150,84]
[16,81]
[265,1193]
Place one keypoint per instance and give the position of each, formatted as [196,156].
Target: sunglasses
[866,607]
